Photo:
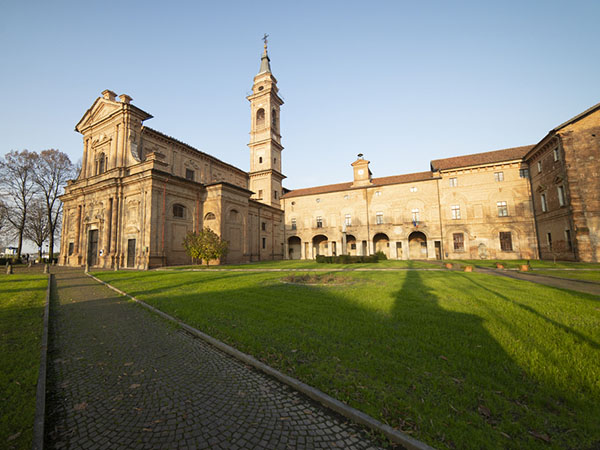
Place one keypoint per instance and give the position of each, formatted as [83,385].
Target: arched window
[178,210]
[209,216]
[260,118]
[234,216]
[274,118]
[260,159]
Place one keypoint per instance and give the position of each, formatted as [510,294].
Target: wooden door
[93,248]
[131,253]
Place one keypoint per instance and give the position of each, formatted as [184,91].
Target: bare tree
[4,223]
[37,229]
[52,170]
[17,187]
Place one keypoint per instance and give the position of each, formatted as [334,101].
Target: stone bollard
[9,269]
[116,266]
[53,262]
[46,268]
[29,265]
[87,267]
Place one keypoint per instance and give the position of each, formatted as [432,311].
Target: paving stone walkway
[121,377]
[562,283]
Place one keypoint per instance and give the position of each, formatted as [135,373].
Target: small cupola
[362,173]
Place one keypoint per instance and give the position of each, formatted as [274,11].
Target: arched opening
[274,118]
[234,216]
[381,243]
[320,245]
[350,245]
[417,245]
[294,247]
[260,118]
[178,210]
[209,216]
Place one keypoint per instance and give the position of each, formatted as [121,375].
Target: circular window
[318,200]
[260,88]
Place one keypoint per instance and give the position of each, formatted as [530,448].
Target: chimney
[109,95]
[125,98]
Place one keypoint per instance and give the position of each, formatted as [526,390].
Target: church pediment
[101,109]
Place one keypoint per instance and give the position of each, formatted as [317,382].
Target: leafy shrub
[380,256]
[346,259]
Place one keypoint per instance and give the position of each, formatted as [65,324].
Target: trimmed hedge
[346,259]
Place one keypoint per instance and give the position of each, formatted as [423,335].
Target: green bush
[380,256]
[346,259]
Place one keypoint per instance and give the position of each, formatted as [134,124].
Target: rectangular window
[524,173]
[348,219]
[549,240]
[506,241]
[415,216]
[555,154]
[539,164]
[453,182]
[502,209]
[561,195]
[70,248]
[319,222]
[260,193]
[264,243]
[568,240]
[352,246]
[498,176]
[263,226]
[413,189]
[544,204]
[459,242]
[293,223]
[455,212]
[377,193]
[189,174]
[379,218]
[275,194]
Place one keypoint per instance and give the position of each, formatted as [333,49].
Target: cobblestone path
[121,377]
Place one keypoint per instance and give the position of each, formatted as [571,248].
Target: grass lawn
[22,299]
[311,264]
[585,275]
[458,360]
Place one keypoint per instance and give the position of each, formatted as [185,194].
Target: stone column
[286,251]
[303,250]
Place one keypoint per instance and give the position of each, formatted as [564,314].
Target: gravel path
[121,377]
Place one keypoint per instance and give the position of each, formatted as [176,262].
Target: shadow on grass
[434,373]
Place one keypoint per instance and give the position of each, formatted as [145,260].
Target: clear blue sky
[402,82]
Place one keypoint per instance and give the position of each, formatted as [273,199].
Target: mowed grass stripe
[454,359]
[22,299]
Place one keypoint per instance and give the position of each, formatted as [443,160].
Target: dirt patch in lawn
[318,279]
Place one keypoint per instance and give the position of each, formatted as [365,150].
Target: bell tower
[265,140]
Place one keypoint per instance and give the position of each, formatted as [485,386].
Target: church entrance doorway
[131,253]
[294,247]
[92,248]
[417,245]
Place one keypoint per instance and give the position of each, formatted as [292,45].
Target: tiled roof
[382,181]
[476,159]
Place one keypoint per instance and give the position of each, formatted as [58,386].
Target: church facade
[140,191]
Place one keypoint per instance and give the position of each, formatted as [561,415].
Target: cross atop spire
[265,65]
